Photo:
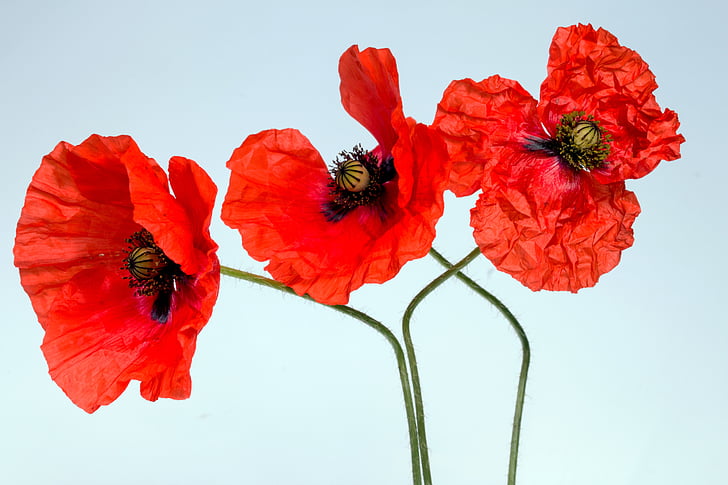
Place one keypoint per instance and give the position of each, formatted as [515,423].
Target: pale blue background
[629,379]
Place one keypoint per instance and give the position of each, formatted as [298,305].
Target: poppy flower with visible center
[554,212]
[122,274]
[327,232]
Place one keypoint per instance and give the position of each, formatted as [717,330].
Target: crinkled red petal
[278,186]
[158,212]
[477,121]
[70,248]
[164,371]
[195,191]
[370,92]
[551,228]
[101,339]
[588,70]
[96,336]
[76,216]
[178,223]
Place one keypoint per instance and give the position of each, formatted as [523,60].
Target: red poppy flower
[326,233]
[554,211]
[121,274]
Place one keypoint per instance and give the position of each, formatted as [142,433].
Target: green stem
[525,361]
[413,360]
[376,325]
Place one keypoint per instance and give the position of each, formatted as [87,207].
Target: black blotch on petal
[161,306]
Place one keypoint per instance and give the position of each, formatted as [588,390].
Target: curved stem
[372,323]
[525,361]
[413,360]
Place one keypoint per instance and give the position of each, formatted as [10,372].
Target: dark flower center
[357,178]
[579,142]
[152,273]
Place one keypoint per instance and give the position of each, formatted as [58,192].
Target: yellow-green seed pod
[586,134]
[351,175]
[144,263]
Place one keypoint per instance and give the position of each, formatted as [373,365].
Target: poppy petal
[552,229]
[477,120]
[195,192]
[589,71]
[370,92]
[67,225]
[158,212]
[97,336]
